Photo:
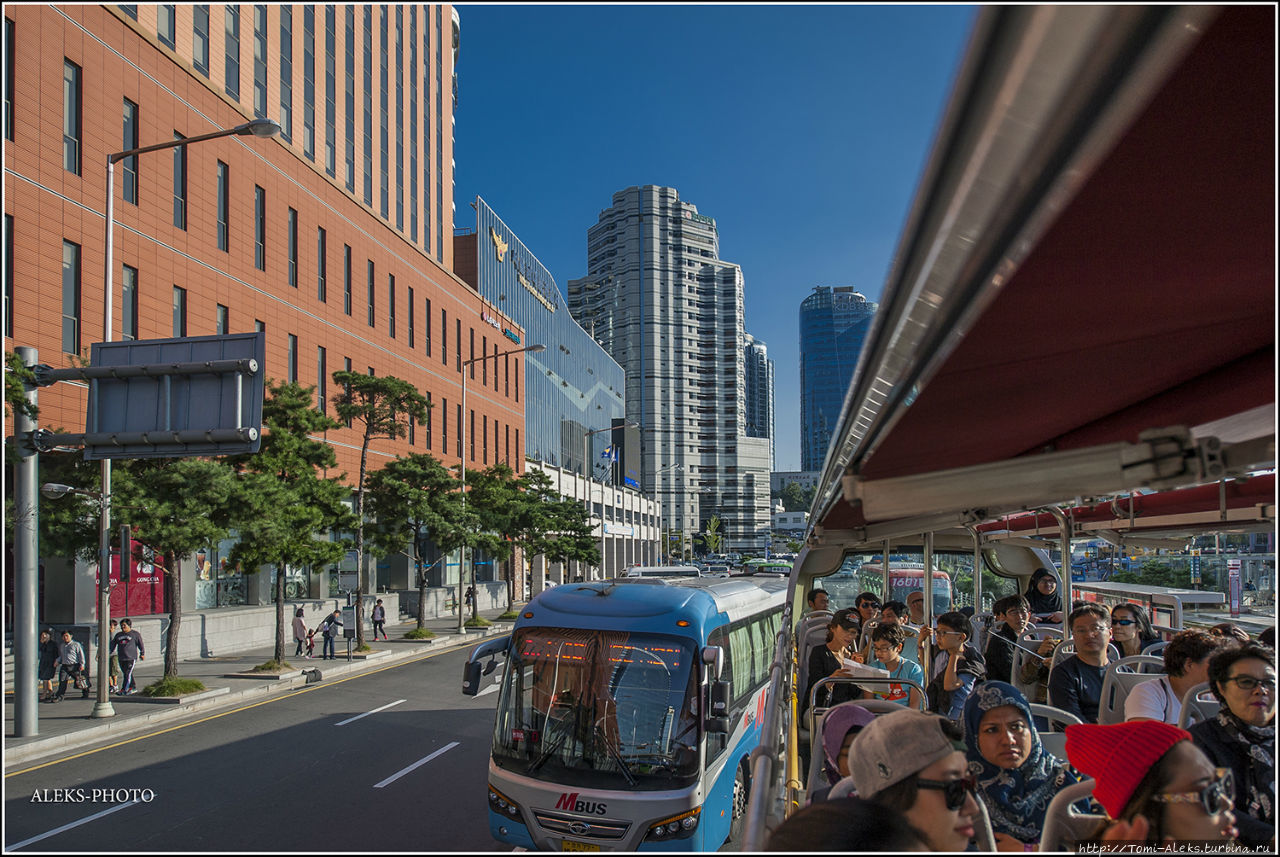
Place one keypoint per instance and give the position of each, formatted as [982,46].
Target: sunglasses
[1219,795]
[1248,682]
[1123,622]
[954,792]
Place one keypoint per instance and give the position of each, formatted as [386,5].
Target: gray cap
[894,747]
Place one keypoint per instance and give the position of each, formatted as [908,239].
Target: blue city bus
[627,711]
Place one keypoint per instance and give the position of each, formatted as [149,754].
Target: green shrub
[478,622]
[509,616]
[420,634]
[173,686]
[272,666]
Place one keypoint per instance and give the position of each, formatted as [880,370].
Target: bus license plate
[570,845]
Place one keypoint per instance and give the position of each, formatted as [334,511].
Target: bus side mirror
[471,677]
[718,708]
[475,667]
[713,657]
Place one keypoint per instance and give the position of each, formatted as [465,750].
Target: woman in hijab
[1043,596]
[839,727]
[1016,777]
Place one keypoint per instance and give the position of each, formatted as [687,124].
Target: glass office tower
[833,325]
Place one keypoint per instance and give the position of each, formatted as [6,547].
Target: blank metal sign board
[175,398]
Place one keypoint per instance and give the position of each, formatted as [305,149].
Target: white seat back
[1121,677]
[1054,716]
[1064,825]
[981,625]
[1156,649]
[1055,744]
[1030,639]
[1198,704]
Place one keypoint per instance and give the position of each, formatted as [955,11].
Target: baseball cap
[846,618]
[894,747]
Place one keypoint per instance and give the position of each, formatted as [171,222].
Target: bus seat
[1121,677]
[1054,716]
[1064,824]
[811,632]
[984,837]
[1196,708]
[844,788]
[1029,640]
[1156,650]
[817,751]
[1055,744]
[980,626]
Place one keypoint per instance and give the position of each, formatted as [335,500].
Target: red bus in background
[142,591]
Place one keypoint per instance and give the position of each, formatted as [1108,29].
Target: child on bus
[886,643]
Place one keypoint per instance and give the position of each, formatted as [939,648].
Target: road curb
[121,727]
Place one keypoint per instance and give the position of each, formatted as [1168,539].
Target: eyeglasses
[883,650]
[1248,683]
[1219,795]
[954,792]
[1091,629]
[868,604]
[1123,622]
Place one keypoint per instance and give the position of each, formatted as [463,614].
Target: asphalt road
[293,773]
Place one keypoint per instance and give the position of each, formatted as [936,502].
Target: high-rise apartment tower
[759,375]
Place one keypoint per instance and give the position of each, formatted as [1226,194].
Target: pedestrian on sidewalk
[379,620]
[330,628]
[73,664]
[470,597]
[129,644]
[114,673]
[311,643]
[299,630]
[48,665]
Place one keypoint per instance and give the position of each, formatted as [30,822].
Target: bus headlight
[675,827]
[504,805]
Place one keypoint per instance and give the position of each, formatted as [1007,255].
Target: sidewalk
[67,726]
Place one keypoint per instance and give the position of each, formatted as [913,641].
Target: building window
[322,266]
[322,380]
[8,275]
[349,93]
[506,430]
[222,325]
[130,9]
[179,184]
[426,422]
[330,90]
[484,437]
[506,375]
[412,438]
[223,231]
[259,326]
[70,117]
[517,458]
[129,304]
[232,49]
[444,426]
[471,434]
[166,24]
[130,141]
[309,82]
[346,278]
[399,126]
[440,132]
[179,311]
[457,344]
[286,72]
[383,174]
[413,124]
[70,297]
[368,105]
[391,304]
[372,323]
[293,359]
[426,326]
[471,357]
[260,61]
[8,79]
[292,231]
[200,39]
[516,361]
[259,228]
[346,365]
[411,316]
[444,337]
[484,364]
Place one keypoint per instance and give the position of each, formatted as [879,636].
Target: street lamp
[256,128]
[532,349]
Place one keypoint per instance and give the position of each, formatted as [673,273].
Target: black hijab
[1041,603]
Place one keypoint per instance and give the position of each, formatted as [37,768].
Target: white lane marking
[367,713]
[66,827]
[398,774]
[490,689]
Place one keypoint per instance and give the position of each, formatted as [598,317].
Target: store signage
[490,320]
[499,246]
[619,529]
[699,218]
[509,335]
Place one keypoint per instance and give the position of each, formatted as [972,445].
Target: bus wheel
[741,792]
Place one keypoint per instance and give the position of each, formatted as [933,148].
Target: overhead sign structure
[170,398]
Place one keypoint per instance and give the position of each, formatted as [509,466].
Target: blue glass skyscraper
[833,325]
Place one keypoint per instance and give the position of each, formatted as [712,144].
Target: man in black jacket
[957,667]
[128,643]
[1016,616]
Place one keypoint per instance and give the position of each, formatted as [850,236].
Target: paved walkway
[68,726]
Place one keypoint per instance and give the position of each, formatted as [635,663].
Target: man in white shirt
[1186,664]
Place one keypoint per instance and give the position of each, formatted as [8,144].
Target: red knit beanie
[1119,756]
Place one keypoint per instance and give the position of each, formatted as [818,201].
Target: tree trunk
[174,577]
[511,579]
[422,597]
[279,658]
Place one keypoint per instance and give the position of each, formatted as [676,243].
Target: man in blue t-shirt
[1075,684]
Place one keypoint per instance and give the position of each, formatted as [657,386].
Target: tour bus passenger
[1154,782]
[1075,685]
[1186,664]
[886,645]
[915,605]
[828,661]
[1267,637]
[819,600]
[1131,629]
[847,824]
[1232,631]
[956,668]
[894,613]
[868,605]
[914,763]
[1043,597]
[1015,613]
[1017,777]
[841,725]
[1242,738]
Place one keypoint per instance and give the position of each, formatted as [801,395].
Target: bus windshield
[600,709]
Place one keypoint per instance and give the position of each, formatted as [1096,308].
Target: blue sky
[802,130]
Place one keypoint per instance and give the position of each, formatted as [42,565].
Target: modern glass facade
[833,325]
[571,388]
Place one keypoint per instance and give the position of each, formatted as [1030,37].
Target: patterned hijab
[1017,798]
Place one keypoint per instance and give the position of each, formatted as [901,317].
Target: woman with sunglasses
[1242,737]
[1156,786]
[1131,629]
[1017,778]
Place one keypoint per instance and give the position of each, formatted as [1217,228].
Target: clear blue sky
[802,130]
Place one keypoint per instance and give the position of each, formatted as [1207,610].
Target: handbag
[82,682]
